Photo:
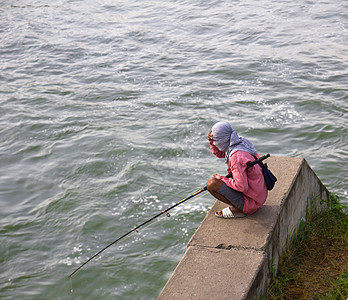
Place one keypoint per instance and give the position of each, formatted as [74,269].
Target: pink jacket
[250,182]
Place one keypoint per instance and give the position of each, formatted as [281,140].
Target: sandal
[228,214]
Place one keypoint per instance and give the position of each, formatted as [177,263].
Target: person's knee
[213,184]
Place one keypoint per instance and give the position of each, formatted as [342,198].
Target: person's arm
[239,182]
[218,153]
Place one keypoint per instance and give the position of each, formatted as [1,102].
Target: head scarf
[227,140]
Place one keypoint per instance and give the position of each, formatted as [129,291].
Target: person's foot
[230,213]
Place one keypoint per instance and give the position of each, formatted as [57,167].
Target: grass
[315,263]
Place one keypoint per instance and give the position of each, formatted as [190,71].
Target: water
[105,106]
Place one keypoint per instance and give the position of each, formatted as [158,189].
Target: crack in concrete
[230,247]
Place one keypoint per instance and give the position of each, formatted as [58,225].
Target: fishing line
[71,288]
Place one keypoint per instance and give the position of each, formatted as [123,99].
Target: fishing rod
[257,161]
[250,164]
[136,228]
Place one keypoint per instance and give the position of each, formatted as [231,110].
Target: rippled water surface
[105,106]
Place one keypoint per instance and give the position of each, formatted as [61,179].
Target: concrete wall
[232,259]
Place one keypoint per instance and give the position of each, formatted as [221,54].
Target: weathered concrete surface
[231,259]
[193,278]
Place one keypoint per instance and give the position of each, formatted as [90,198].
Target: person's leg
[214,185]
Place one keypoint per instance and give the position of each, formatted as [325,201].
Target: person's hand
[210,137]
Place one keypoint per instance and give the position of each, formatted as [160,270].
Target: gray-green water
[105,106]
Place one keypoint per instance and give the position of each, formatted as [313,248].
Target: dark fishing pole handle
[257,161]
[250,164]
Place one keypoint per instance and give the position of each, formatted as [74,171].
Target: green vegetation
[315,263]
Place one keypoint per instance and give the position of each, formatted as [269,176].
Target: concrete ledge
[198,279]
[231,259]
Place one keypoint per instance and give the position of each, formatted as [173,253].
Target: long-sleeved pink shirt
[250,182]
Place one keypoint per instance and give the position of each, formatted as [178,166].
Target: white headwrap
[227,140]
